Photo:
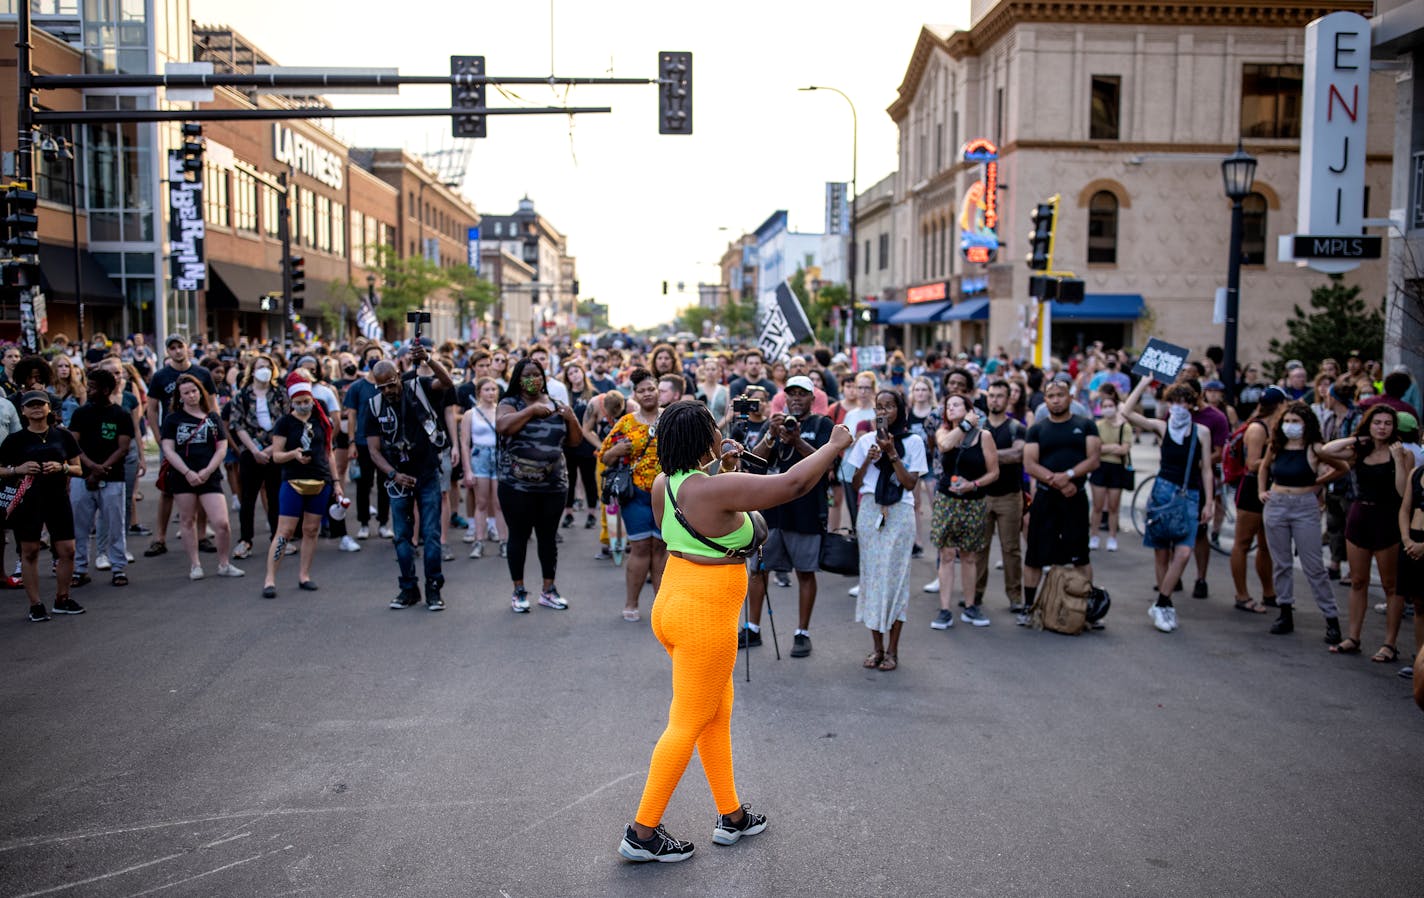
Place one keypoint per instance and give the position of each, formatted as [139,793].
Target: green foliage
[738,316]
[818,304]
[408,283]
[474,296]
[1338,321]
[694,318]
[596,312]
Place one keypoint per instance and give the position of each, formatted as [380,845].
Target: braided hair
[686,431]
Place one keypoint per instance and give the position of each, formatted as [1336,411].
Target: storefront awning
[1101,307]
[968,310]
[233,286]
[921,312]
[883,311]
[57,277]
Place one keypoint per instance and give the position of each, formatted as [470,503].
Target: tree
[738,316]
[474,296]
[596,313]
[406,283]
[818,304]
[693,318]
[1338,322]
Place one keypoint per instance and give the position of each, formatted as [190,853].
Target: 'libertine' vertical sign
[1334,118]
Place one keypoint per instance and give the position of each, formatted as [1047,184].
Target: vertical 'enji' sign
[1334,116]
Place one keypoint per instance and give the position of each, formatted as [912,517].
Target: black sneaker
[1199,590]
[1179,587]
[67,605]
[568,521]
[433,602]
[38,613]
[748,638]
[944,621]
[139,530]
[661,847]
[1332,631]
[408,596]
[917,551]
[207,545]
[800,645]
[155,548]
[727,833]
[80,580]
[590,522]
[269,592]
[975,616]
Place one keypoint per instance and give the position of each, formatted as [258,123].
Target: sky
[638,208]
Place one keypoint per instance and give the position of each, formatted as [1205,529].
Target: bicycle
[1142,497]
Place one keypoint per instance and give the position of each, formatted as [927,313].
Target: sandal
[631,615]
[1387,654]
[1251,606]
[1342,649]
[889,662]
[873,660]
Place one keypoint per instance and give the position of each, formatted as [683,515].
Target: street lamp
[851,261]
[1238,172]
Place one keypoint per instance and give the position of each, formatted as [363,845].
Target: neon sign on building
[979,216]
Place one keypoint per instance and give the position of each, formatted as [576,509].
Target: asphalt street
[193,739]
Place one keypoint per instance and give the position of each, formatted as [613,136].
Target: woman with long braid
[709,536]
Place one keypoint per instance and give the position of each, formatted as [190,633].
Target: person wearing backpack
[1182,497]
[1244,454]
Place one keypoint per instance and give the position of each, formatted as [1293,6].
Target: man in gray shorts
[793,540]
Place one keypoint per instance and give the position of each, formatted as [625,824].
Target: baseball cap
[801,382]
[34,396]
[1408,423]
[1213,385]
[175,338]
[1272,396]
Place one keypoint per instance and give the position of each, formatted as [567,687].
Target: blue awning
[921,312]
[1101,307]
[884,311]
[968,310]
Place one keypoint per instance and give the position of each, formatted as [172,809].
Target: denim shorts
[482,461]
[292,504]
[638,516]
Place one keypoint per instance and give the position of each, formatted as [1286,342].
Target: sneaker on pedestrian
[590,522]
[409,595]
[917,551]
[800,645]
[1160,620]
[603,554]
[349,545]
[155,548]
[139,530]
[364,532]
[470,535]
[477,550]
[230,570]
[457,520]
[1112,544]
[568,521]
[385,531]
[550,598]
[67,605]
[748,638]
[433,601]
[207,545]
[932,586]
[725,832]
[445,553]
[783,579]
[504,549]
[519,602]
[1093,541]
[101,563]
[1406,673]
[38,613]
[660,847]
[1023,619]
[1199,590]
[196,572]
[973,614]
[854,591]
[944,621]
[128,556]
[1171,615]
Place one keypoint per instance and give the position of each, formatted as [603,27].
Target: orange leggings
[695,618]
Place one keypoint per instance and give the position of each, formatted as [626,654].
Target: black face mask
[350,370]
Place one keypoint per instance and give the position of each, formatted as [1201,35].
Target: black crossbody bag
[759,530]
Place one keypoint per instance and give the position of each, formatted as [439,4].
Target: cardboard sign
[1160,361]
[867,357]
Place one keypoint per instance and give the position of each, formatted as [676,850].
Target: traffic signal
[465,94]
[664,288]
[297,279]
[21,220]
[1046,288]
[192,147]
[674,93]
[1040,238]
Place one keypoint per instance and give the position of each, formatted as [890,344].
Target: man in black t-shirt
[104,432]
[795,528]
[1059,453]
[755,376]
[1004,498]
[163,401]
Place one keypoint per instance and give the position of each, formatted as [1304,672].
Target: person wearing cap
[35,466]
[163,400]
[194,442]
[798,367]
[1409,437]
[104,430]
[1249,523]
[796,528]
[302,445]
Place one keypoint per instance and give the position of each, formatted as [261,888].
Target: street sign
[1306,246]
[1161,361]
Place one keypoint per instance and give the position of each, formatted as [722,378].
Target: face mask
[1292,430]
[1108,411]
[531,384]
[350,370]
[263,375]
[301,408]
[1179,416]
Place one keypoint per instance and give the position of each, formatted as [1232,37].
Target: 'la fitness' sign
[1334,119]
[308,157]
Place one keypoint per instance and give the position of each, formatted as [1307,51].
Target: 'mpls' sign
[1333,126]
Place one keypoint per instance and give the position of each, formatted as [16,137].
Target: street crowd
[497,447]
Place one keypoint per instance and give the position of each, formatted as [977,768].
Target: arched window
[1253,231]
[1102,228]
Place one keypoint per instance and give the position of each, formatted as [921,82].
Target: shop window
[1271,100]
[1107,101]
[1102,229]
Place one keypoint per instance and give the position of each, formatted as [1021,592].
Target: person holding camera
[793,540]
[405,437]
[302,444]
[534,431]
[711,529]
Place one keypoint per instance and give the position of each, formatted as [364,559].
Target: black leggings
[536,513]
[582,468]
[370,476]
[253,479]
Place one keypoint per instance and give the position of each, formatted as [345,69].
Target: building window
[1271,100]
[939,147]
[1253,230]
[323,223]
[338,230]
[358,235]
[999,117]
[1102,229]
[924,252]
[306,213]
[215,195]
[244,201]
[1107,97]
[375,236]
[867,257]
[270,210]
[884,254]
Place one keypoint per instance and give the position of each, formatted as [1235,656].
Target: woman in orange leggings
[696,609]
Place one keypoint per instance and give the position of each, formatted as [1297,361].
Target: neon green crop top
[676,535]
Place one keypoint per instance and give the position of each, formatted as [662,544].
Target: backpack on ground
[1062,602]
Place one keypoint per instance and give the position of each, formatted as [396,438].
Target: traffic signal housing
[674,92]
[297,279]
[21,220]
[1048,288]
[192,147]
[1040,238]
[465,94]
